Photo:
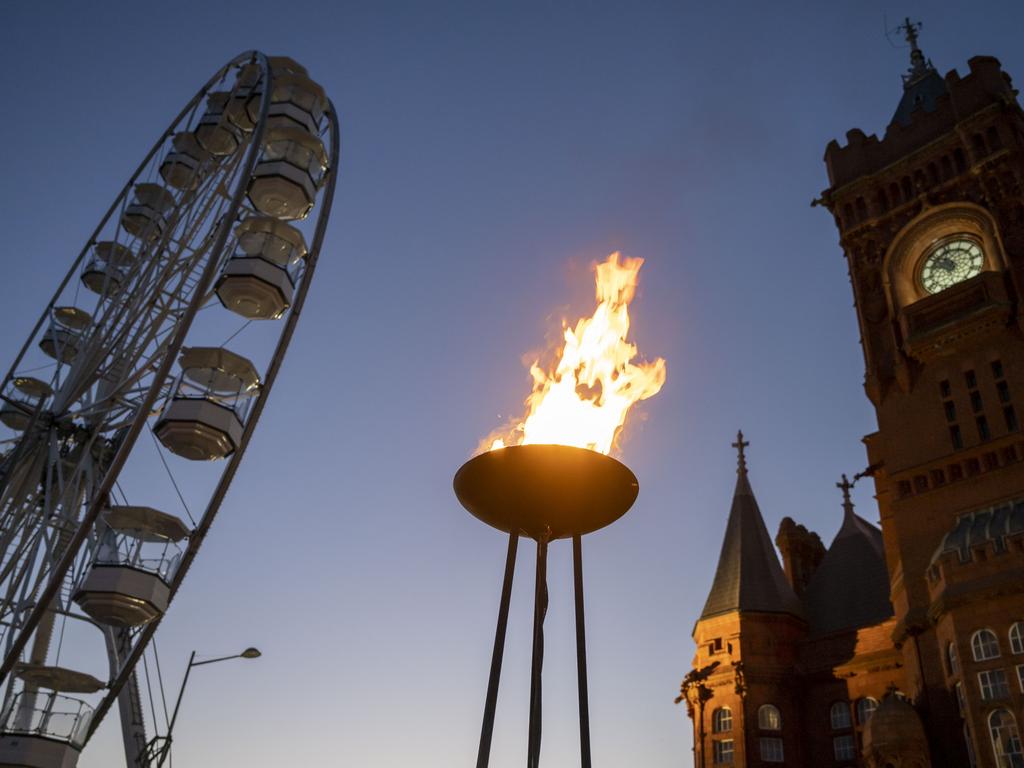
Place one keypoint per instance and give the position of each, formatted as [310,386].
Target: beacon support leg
[487,730]
[540,609]
[581,651]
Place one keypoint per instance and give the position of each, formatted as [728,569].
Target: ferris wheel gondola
[217,215]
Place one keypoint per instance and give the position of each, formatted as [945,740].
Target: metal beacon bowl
[530,488]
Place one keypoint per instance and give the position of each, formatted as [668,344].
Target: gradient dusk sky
[490,153]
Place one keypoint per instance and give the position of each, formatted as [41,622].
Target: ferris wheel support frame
[199,533]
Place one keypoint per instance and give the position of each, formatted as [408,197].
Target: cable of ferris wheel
[40,368]
[60,640]
[245,325]
[149,686]
[160,453]
[160,679]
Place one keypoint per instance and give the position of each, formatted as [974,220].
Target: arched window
[769,718]
[994,140]
[960,160]
[985,645]
[865,708]
[843,747]
[1005,739]
[840,715]
[980,150]
[721,720]
[1017,637]
[954,661]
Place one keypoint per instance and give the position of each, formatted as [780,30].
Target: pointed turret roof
[749,576]
[851,586]
[922,85]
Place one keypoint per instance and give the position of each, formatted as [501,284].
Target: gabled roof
[749,576]
[851,586]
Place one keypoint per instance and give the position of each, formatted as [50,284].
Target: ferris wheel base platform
[19,750]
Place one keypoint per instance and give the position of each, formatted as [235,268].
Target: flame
[583,402]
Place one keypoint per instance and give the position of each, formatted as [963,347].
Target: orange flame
[584,401]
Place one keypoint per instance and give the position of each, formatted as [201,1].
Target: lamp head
[250,653]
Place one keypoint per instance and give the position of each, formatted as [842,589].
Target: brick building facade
[901,646]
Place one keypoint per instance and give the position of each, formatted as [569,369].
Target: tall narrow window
[839,714]
[865,709]
[970,746]
[983,430]
[1017,637]
[976,404]
[961,702]
[985,645]
[970,379]
[950,407]
[992,684]
[1010,416]
[1006,744]
[721,720]
[769,718]
[771,750]
[843,747]
[723,751]
[954,661]
[956,437]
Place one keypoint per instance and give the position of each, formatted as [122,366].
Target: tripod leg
[581,651]
[540,609]
[487,730]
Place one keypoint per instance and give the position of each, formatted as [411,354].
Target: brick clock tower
[931,221]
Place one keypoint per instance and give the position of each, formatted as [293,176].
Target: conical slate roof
[923,93]
[851,586]
[922,85]
[749,576]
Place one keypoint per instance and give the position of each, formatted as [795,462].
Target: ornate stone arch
[902,261]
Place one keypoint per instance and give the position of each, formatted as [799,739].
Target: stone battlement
[985,85]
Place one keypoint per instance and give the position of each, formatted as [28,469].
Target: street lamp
[165,749]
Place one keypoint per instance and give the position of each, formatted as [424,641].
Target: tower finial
[740,445]
[910,30]
[918,65]
[845,487]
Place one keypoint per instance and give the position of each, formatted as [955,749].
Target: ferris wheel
[213,231]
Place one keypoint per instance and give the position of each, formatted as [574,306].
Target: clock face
[950,263]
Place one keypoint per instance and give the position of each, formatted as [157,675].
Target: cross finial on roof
[740,445]
[845,487]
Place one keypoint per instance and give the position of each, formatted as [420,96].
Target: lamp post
[165,748]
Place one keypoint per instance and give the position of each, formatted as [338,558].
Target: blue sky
[490,153]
